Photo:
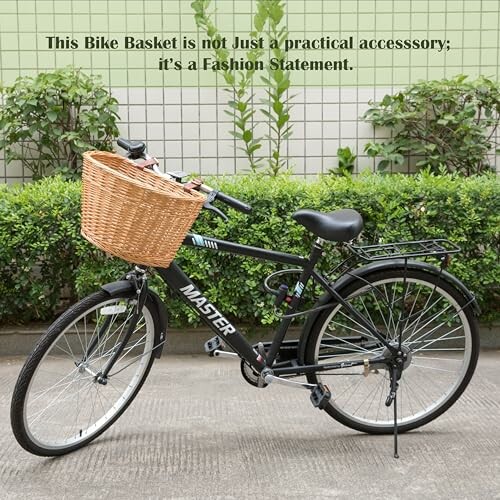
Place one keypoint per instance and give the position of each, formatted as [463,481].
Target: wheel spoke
[357,348]
[439,359]
[370,317]
[54,400]
[441,339]
[426,347]
[56,384]
[343,325]
[432,368]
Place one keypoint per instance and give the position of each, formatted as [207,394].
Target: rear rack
[438,248]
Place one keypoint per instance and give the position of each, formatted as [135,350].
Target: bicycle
[393,330]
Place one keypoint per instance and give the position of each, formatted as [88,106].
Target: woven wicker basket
[134,214]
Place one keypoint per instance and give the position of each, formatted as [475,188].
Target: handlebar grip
[135,148]
[123,143]
[233,202]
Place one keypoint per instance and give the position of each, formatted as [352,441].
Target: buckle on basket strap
[147,163]
[193,184]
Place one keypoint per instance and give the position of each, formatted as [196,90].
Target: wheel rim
[64,404]
[436,333]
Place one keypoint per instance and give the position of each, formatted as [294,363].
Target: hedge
[44,258]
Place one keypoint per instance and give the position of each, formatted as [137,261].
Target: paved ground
[197,430]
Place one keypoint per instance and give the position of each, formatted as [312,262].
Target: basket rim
[179,191]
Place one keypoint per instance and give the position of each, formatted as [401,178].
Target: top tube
[196,240]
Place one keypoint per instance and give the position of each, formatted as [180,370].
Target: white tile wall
[187,128]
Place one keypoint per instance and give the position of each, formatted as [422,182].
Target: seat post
[319,242]
[316,253]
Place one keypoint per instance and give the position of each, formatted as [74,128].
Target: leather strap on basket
[147,163]
[193,184]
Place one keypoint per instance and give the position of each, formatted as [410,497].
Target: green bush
[39,230]
[48,121]
[448,123]
[39,226]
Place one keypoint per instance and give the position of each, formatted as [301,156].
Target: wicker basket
[134,214]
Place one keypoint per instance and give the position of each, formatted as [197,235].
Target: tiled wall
[186,128]
[181,114]
[197,130]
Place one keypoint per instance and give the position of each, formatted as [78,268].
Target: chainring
[251,376]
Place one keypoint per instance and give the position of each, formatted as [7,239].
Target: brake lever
[208,205]
[218,212]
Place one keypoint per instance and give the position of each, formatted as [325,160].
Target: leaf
[277,107]
[259,22]
[282,120]
[52,115]
[276,12]
[254,148]
[398,159]
[383,164]
[247,135]
[266,113]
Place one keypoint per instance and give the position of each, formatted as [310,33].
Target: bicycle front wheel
[439,335]
[58,405]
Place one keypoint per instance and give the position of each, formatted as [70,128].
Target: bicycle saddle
[341,225]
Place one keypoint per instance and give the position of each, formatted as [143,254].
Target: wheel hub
[82,367]
[402,359]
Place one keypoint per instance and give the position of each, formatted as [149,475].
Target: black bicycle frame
[181,284]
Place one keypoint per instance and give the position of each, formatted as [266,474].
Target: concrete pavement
[197,430]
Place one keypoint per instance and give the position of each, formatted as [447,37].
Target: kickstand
[396,455]
[393,399]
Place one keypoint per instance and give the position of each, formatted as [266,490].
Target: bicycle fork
[139,279]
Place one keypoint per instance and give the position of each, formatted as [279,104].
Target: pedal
[320,396]
[213,345]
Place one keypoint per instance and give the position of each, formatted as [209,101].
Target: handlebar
[233,202]
[137,149]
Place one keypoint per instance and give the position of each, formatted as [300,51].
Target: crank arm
[224,354]
[269,379]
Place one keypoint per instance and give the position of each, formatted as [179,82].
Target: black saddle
[341,225]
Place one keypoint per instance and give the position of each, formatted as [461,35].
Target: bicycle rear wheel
[439,335]
[58,405]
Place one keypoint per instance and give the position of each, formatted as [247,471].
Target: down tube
[178,281]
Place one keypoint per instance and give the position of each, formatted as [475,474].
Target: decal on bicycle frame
[299,288]
[199,241]
[208,310]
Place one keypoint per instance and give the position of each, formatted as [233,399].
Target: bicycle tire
[334,326]
[57,351]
